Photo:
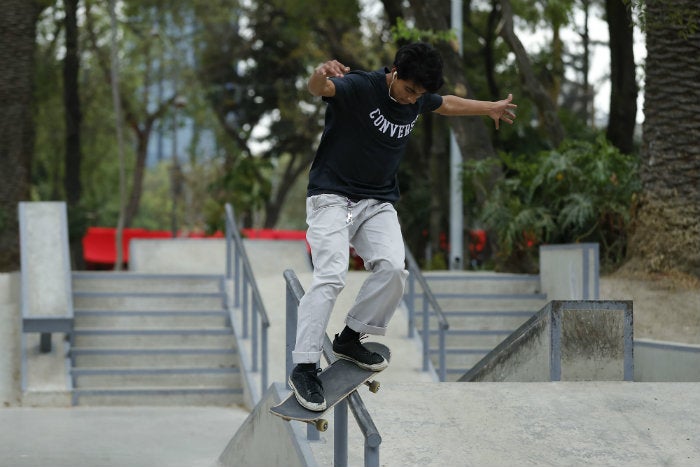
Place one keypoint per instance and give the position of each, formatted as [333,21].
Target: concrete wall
[585,340]
[178,256]
[10,325]
[666,361]
[570,272]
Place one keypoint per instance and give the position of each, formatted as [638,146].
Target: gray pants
[372,228]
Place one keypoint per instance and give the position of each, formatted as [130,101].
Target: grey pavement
[110,437]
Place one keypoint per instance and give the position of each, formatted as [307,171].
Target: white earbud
[393,78]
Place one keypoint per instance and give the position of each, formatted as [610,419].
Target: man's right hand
[319,84]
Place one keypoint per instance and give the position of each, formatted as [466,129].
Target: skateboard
[339,379]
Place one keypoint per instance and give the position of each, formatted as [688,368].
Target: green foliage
[403,32]
[580,192]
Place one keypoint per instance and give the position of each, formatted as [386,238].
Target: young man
[352,187]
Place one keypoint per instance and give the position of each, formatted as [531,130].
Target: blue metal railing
[430,304]
[254,319]
[364,421]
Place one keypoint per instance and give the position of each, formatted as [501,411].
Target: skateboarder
[352,187]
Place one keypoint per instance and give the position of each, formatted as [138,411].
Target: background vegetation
[215,109]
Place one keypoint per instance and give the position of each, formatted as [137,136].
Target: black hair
[420,63]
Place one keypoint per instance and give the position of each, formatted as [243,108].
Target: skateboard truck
[321,424]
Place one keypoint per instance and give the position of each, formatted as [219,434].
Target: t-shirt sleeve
[345,89]
[431,102]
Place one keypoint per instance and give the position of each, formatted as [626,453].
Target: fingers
[333,68]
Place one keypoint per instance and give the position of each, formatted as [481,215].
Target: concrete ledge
[264,439]
[666,361]
[178,256]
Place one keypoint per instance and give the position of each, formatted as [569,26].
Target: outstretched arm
[319,84]
[497,111]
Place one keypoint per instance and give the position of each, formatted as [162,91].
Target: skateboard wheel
[374,386]
[321,424]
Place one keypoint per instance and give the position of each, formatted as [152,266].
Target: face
[405,91]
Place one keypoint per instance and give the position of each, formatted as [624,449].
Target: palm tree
[17,42]
[666,232]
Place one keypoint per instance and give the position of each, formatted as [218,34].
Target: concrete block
[46,278]
[570,272]
[565,341]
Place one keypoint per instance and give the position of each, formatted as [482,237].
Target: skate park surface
[421,422]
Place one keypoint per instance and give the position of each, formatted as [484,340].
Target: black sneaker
[354,351]
[308,389]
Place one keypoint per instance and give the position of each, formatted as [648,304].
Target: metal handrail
[364,421]
[241,283]
[429,301]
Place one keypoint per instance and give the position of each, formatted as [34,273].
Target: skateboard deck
[339,379]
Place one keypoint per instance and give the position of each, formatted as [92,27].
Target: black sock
[307,366]
[348,335]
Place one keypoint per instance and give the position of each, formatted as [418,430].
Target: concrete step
[132,282]
[148,301]
[480,320]
[150,318]
[487,302]
[460,339]
[175,357]
[485,283]
[126,378]
[154,338]
[195,396]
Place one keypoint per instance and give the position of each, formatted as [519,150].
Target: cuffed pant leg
[328,238]
[380,243]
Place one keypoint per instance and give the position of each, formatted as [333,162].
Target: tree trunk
[471,132]
[666,233]
[72,181]
[548,110]
[623,81]
[17,43]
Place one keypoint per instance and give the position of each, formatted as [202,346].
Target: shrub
[580,192]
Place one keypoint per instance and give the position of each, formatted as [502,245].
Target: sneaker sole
[373,367]
[314,407]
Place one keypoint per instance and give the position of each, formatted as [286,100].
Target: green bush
[580,192]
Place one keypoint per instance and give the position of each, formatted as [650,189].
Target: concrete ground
[116,437]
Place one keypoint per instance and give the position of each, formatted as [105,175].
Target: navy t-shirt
[364,138]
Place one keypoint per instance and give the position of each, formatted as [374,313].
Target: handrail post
[371,455]
[237,278]
[411,304]
[426,332]
[244,307]
[263,376]
[229,248]
[290,331]
[443,367]
[254,334]
[340,435]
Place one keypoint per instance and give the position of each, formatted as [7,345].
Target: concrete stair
[482,310]
[153,339]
